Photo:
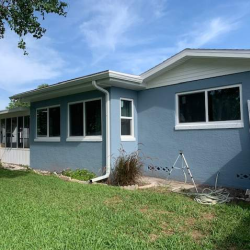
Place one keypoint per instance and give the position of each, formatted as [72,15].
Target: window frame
[47,138]
[94,138]
[132,136]
[17,147]
[208,124]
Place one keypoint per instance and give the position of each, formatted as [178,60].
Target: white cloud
[110,20]
[207,32]
[141,61]
[19,72]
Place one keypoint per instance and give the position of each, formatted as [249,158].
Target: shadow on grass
[5,173]
[239,239]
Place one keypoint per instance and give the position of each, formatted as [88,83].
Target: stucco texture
[62,155]
[209,151]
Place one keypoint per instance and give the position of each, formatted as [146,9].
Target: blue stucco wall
[116,144]
[207,151]
[62,155]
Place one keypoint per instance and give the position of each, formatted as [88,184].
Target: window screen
[224,104]
[42,122]
[76,119]
[93,118]
[192,108]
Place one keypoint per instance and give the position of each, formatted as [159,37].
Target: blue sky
[130,36]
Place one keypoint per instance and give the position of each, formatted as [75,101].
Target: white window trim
[132,136]
[84,138]
[47,138]
[207,124]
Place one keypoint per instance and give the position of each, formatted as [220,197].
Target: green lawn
[44,212]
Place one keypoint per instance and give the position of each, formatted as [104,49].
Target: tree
[44,85]
[17,104]
[22,16]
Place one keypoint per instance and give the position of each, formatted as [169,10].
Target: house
[195,101]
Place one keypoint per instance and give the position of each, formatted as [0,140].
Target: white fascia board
[14,112]
[126,77]
[61,85]
[81,84]
[188,53]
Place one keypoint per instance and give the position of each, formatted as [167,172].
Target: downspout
[107,104]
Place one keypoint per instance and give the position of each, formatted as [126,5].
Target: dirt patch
[190,221]
[197,235]
[144,210]
[208,216]
[153,237]
[166,230]
[113,201]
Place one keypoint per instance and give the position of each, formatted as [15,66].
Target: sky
[129,36]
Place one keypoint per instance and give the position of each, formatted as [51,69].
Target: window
[211,108]
[3,133]
[8,133]
[190,103]
[85,121]
[127,120]
[93,118]
[48,124]
[15,132]
[26,132]
[76,119]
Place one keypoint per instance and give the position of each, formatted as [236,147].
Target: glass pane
[3,134]
[93,118]
[54,122]
[14,132]
[26,132]
[42,122]
[8,132]
[126,127]
[192,108]
[76,119]
[20,132]
[126,108]
[224,104]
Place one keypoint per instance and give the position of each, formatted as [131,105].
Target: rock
[79,181]
[41,172]
[65,178]
[131,187]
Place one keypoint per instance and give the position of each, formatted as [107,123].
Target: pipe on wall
[107,105]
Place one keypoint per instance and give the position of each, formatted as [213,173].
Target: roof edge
[88,78]
[226,53]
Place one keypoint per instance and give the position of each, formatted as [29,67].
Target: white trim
[128,138]
[47,138]
[248,106]
[237,124]
[208,124]
[84,137]
[188,53]
[132,136]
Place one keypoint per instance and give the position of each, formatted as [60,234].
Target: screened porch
[15,136]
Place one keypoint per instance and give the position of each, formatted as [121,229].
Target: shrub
[79,174]
[127,169]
